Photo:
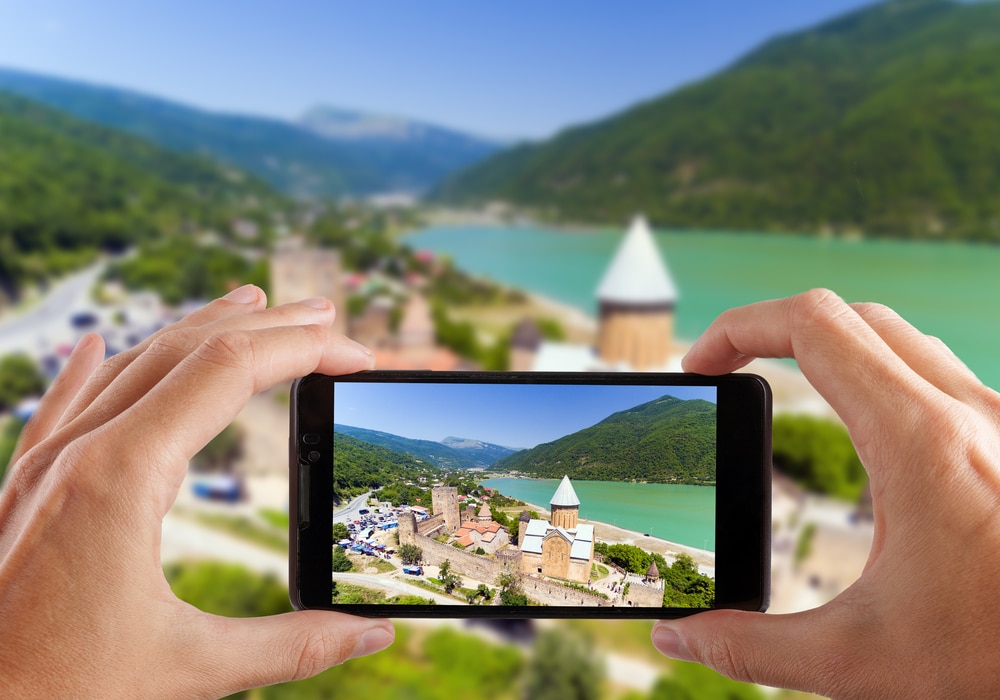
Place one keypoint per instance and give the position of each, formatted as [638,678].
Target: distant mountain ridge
[451,453]
[300,159]
[885,120]
[667,440]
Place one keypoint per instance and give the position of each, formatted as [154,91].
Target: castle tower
[652,574]
[636,301]
[484,514]
[522,526]
[524,343]
[407,528]
[565,506]
[299,272]
[444,500]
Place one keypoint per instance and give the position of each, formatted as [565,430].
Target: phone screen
[527,494]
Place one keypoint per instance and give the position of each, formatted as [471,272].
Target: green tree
[819,455]
[410,554]
[340,561]
[340,532]
[563,667]
[449,579]
[227,589]
[19,379]
[511,593]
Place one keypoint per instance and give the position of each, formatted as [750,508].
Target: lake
[674,512]
[950,290]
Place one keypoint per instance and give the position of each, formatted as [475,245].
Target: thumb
[789,651]
[261,651]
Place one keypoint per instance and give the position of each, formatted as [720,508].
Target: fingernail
[375,639]
[317,302]
[670,643]
[246,294]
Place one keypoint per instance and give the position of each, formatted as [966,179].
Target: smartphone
[501,494]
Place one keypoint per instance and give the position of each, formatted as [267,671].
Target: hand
[922,619]
[84,607]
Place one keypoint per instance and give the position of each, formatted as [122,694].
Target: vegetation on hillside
[883,121]
[818,454]
[662,441]
[359,467]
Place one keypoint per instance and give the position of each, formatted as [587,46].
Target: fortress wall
[644,596]
[464,563]
[552,593]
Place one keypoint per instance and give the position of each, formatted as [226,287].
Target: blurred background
[458,178]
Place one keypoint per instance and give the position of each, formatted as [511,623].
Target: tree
[340,561]
[19,379]
[511,592]
[227,589]
[818,454]
[563,667]
[449,579]
[340,532]
[410,554]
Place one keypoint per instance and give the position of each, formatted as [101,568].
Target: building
[560,547]
[636,301]
[299,272]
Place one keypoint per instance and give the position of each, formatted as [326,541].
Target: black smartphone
[501,494]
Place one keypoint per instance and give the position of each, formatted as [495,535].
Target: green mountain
[666,440]
[883,121]
[69,188]
[452,453]
[332,152]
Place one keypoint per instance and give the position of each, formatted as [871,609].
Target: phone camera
[313,456]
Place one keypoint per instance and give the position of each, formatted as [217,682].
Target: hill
[300,159]
[883,121]
[453,453]
[69,188]
[667,440]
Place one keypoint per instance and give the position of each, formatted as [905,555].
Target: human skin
[85,609]
[921,620]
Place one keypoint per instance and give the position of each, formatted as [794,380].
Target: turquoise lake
[677,513]
[950,290]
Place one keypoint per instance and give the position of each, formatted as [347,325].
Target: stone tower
[407,528]
[636,301]
[444,500]
[565,506]
[299,272]
[524,344]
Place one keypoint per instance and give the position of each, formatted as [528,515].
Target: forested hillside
[884,121]
[441,455]
[663,441]
[69,189]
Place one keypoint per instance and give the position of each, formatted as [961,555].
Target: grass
[278,518]
[242,527]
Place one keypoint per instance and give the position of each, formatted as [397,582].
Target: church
[636,299]
[560,547]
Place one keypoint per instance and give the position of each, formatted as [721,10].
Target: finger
[838,352]
[248,653]
[928,357]
[800,651]
[85,358]
[207,390]
[241,301]
[170,348]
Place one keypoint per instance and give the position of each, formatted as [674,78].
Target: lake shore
[612,534]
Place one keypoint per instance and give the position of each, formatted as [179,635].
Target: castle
[560,547]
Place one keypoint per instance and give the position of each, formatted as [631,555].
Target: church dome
[637,274]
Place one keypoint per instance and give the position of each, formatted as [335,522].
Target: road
[45,325]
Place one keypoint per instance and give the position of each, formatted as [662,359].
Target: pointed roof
[653,571]
[637,274]
[565,495]
[484,512]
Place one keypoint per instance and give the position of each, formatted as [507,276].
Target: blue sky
[504,414]
[515,69]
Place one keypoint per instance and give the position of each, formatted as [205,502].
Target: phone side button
[303,495]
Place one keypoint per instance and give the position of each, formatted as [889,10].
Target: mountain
[484,453]
[884,121]
[457,454]
[667,440]
[416,153]
[69,188]
[295,158]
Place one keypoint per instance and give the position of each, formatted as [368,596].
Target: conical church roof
[637,274]
[565,495]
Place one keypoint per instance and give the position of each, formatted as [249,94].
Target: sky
[513,70]
[512,415]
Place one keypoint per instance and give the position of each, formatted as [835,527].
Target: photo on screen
[524,494]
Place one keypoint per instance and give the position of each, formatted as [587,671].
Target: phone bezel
[743,492]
